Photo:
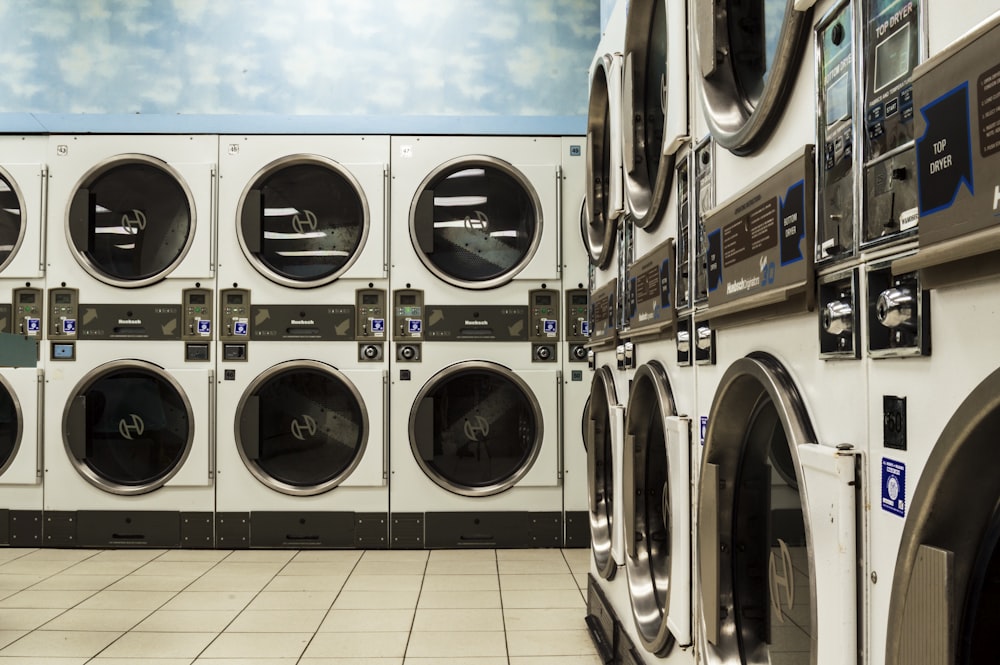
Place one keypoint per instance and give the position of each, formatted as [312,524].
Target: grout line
[332,603]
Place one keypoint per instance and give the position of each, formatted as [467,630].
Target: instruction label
[893,487]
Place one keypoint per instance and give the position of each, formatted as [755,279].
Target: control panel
[543,324]
[234,315]
[196,327]
[64,308]
[27,316]
[408,323]
[577,324]
[371,324]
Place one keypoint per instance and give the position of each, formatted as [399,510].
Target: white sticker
[406,151]
[909,218]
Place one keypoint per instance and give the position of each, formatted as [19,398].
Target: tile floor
[265,607]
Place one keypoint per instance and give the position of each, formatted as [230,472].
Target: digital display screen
[27,298]
[369,299]
[579,300]
[838,99]
[892,58]
[543,300]
[234,299]
[197,299]
[63,299]
[407,300]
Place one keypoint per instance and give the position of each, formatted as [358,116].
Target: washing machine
[132,212]
[576,373]
[604,177]
[933,531]
[474,453]
[22,230]
[475,215]
[776,573]
[307,214]
[129,412]
[301,458]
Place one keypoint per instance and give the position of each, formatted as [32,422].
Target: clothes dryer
[302,406]
[130,412]
[131,212]
[303,218]
[475,455]
[475,214]
[776,575]
[933,532]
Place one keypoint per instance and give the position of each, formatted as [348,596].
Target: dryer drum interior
[750,54]
[303,221]
[756,577]
[945,602]
[301,428]
[476,222]
[11,427]
[649,516]
[600,470]
[128,427]
[11,220]
[648,172]
[597,228]
[475,428]
[131,220]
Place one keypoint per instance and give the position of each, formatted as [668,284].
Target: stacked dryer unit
[302,397]
[476,321]
[933,418]
[573,352]
[130,389]
[776,573]
[22,233]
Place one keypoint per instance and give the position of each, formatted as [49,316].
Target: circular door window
[765,584]
[10,425]
[475,428]
[128,427]
[131,221]
[750,54]
[649,173]
[597,227]
[303,221]
[648,516]
[600,470]
[11,220]
[301,427]
[475,222]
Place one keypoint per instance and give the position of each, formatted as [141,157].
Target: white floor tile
[126,600]
[359,582]
[25,619]
[550,643]
[153,583]
[209,600]
[469,644]
[32,599]
[62,644]
[373,600]
[458,567]
[261,556]
[277,621]
[187,621]
[66,582]
[258,645]
[367,621]
[454,600]
[546,598]
[461,583]
[357,645]
[430,620]
[293,600]
[77,619]
[538,582]
[137,646]
[306,583]
[544,619]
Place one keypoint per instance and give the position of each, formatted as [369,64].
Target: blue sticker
[550,326]
[575,151]
[34,326]
[378,326]
[204,326]
[414,326]
[893,487]
[704,429]
[69,326]
[240,328]
[585,328]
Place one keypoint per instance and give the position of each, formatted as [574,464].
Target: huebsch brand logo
[134,223]
[477,429]
[480,223]
[130,322]
[306,223]
[300,430]
[743,284]
[476,322]
[131,427]
[303,322]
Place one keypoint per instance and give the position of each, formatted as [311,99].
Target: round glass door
[475,222]
[765,586]
[128,427]
[649,173]
[647,510]
[301,427]
[597,227]
[475,428]
[303,221]
[131,221]
[750,54]
[11,220]
[601,470]
[10,426]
